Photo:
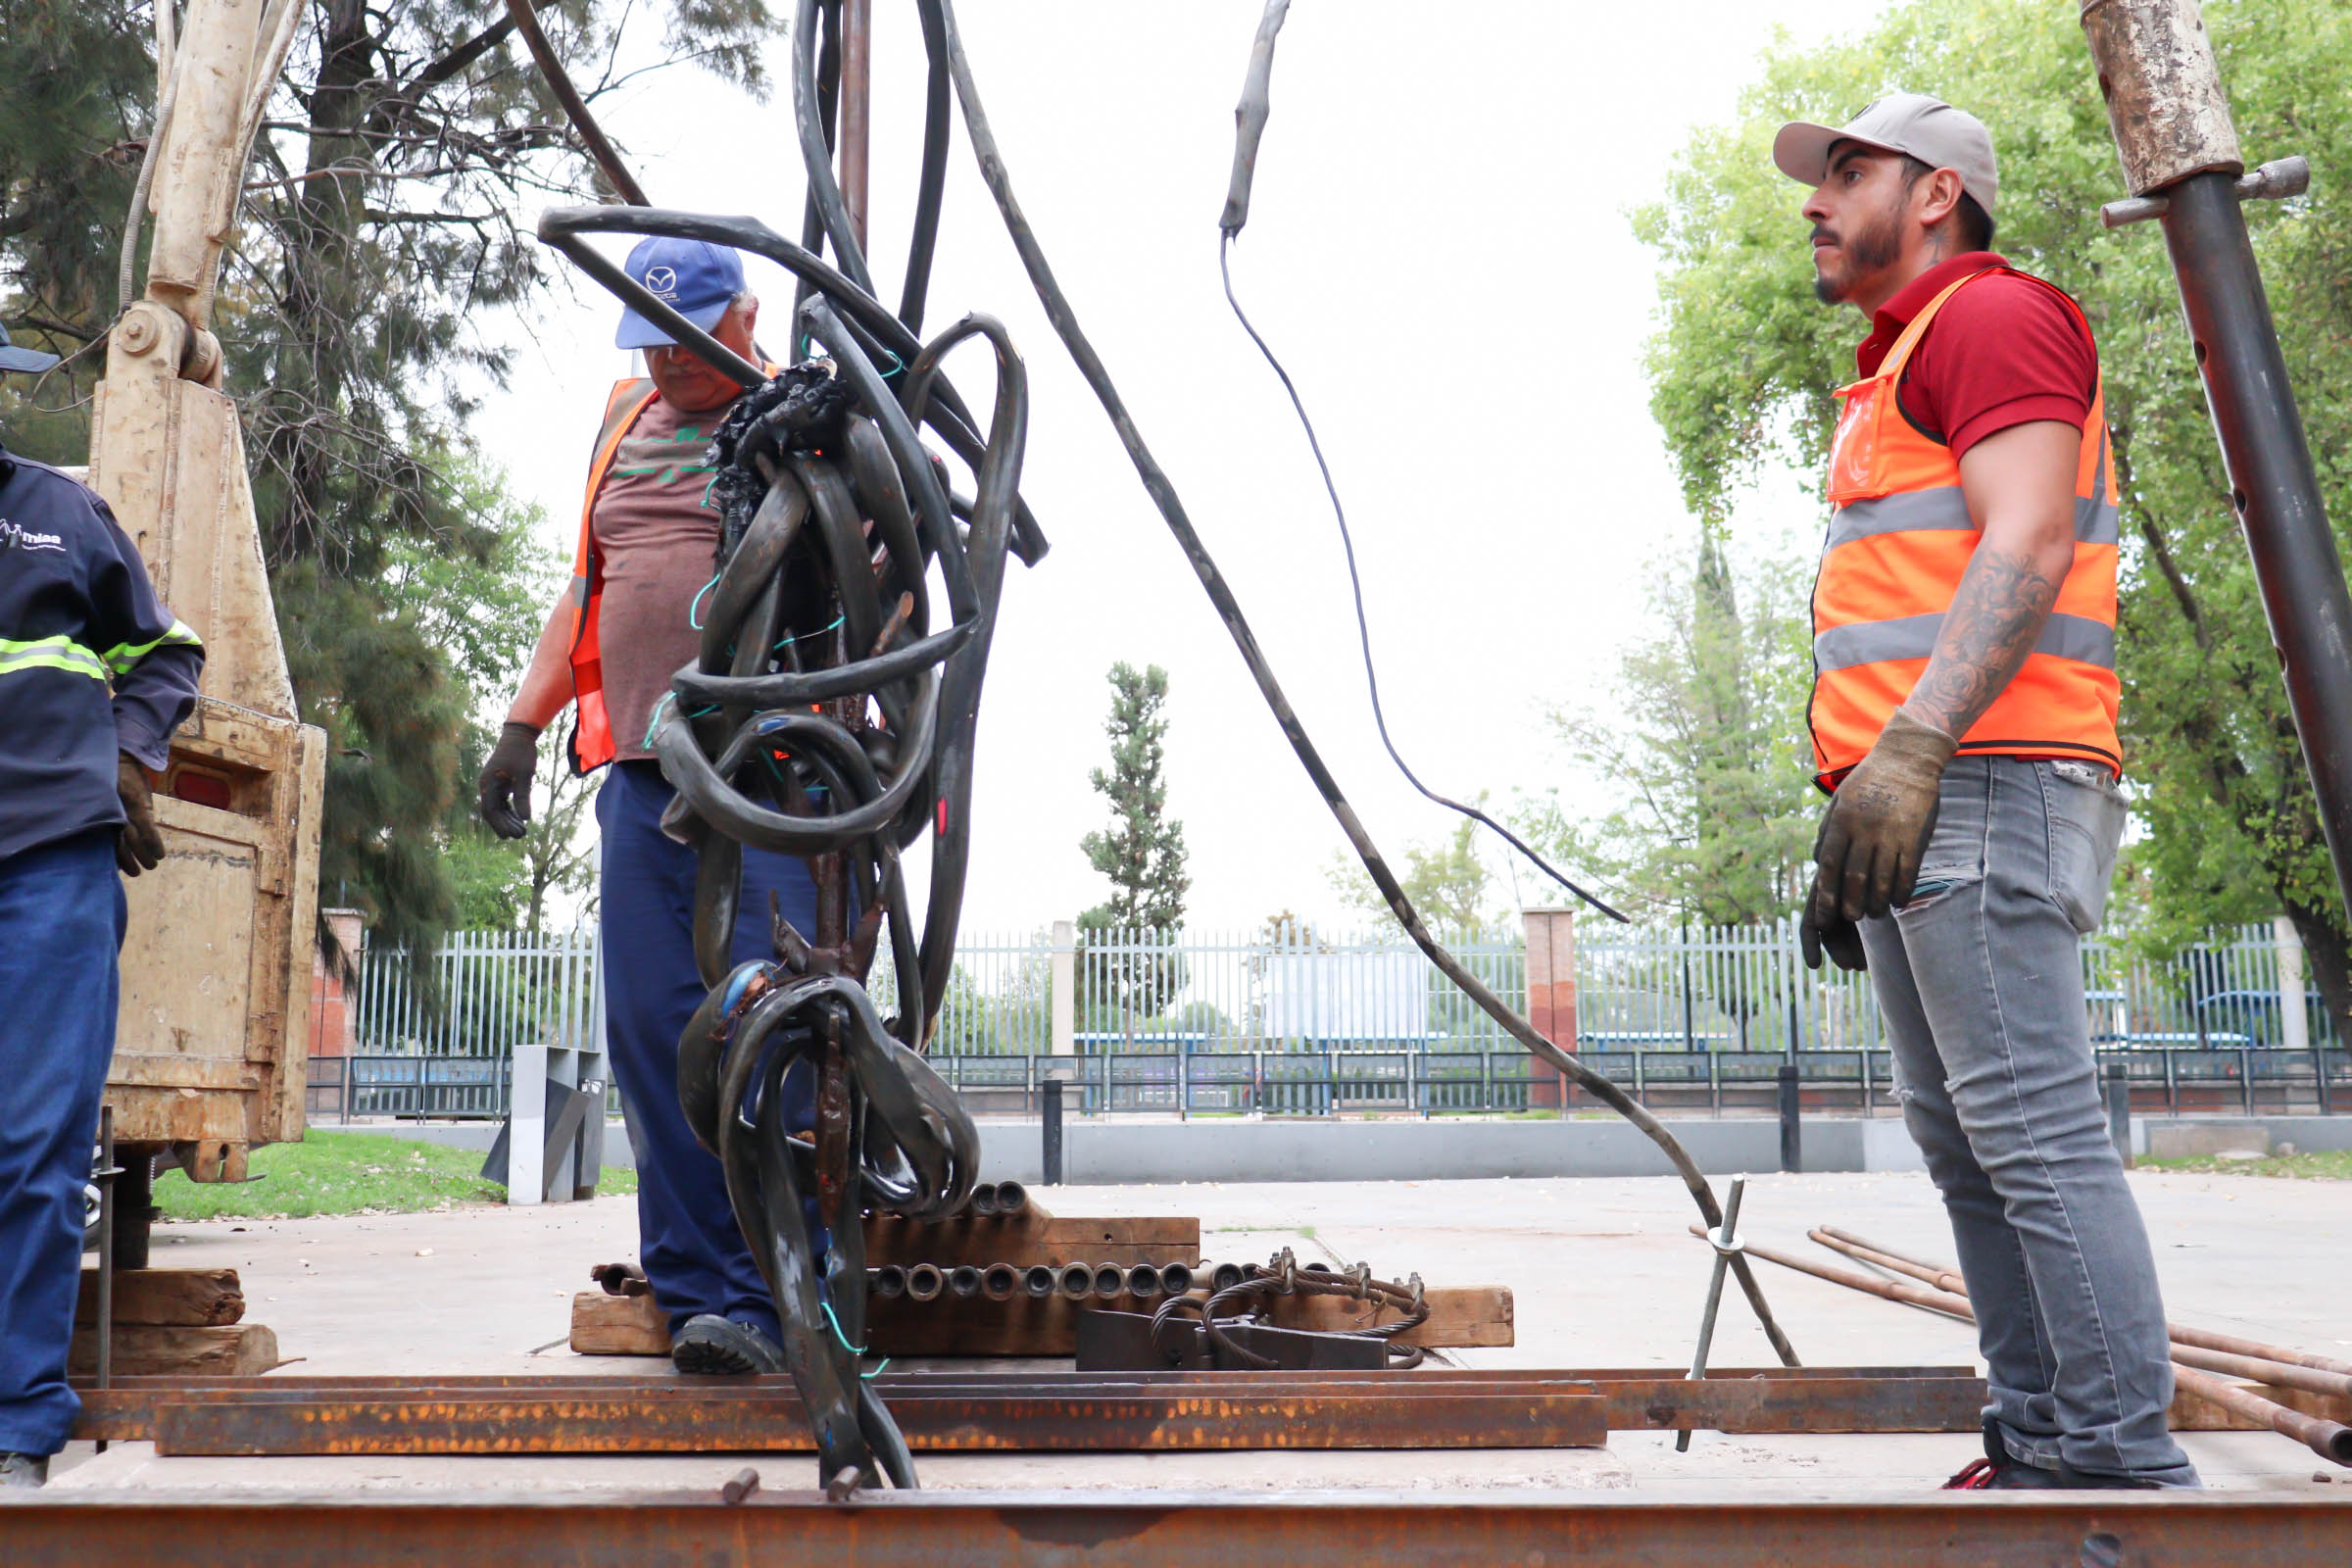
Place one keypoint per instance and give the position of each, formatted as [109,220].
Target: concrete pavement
[1602,1271]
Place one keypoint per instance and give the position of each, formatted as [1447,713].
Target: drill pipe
[1001,1282]
[924,1281]
[1077,1281]
[887,1282]
[1039,1281]
[963,1282]
[1012,1199]
[1143,1280]
[1110,1279]
[1176,1278]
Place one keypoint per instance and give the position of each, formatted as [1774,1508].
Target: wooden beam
[238,1350]
[175,1297]
[1459,1317]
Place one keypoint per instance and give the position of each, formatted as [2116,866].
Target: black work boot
[24,1470]
[2001,1471]
[711,1345]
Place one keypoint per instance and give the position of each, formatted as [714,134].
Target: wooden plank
[177,1298]
[239,1349]
[1459,1317]
[617,1325]
[1031,1238]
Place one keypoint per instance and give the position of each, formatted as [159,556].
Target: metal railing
[1292,1021]
[2176,1080]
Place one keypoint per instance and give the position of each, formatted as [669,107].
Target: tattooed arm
[2020,485]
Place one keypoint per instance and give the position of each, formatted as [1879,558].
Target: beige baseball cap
[1928,128]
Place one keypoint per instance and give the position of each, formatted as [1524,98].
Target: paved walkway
[1602,1270]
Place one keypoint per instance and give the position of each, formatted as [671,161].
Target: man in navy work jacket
[94,676]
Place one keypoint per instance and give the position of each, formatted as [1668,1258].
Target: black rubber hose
[812,122]
[1171,509]
[932,184]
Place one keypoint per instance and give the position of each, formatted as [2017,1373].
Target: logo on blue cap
[694,277]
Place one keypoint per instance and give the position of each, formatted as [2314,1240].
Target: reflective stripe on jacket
[1899,540]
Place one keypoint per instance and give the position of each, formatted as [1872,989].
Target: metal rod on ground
[1793,1131]
[2329,1440]
[1944,1301]
[2196,1338]
[1726,1241]
[1050,1125]
[2170,120]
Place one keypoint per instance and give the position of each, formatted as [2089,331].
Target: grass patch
[2320,1165]
[347,1173]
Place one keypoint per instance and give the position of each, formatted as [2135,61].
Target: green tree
[386,222]
[1745,358]
[1704,745]
[1141,853]
[1447,881]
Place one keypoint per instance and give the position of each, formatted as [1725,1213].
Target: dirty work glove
[1876,830]
[1840,938]
[140,847]
[506,788]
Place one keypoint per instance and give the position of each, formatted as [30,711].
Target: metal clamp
[1725,1239]
[2274,180]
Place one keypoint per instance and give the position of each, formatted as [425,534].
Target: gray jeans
[1980,980]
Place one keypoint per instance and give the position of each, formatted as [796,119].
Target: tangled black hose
[828,716]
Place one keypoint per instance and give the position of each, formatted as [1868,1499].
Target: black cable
[1220,593]
[1355,586]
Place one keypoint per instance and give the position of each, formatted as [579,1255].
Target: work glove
[140,847]
[506,787]
[1873,837]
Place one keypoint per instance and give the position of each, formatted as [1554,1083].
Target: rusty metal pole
[2181,157]
[856,108]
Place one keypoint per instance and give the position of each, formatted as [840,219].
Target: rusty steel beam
[1176,1530]
[701,1421]
[1033,1413]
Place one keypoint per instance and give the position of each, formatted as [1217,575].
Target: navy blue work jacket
[91,663]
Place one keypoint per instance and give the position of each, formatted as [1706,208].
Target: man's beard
[1868,250]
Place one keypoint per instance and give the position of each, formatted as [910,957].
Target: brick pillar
[1550,996]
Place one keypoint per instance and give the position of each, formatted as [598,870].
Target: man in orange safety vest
[1963,715]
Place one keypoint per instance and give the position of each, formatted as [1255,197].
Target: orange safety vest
[591,744]
[1899,542]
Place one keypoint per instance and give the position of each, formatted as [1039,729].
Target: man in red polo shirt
[1963,717]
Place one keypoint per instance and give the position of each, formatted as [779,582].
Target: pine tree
[1141,853]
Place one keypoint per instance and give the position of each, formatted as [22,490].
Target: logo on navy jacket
[15,536]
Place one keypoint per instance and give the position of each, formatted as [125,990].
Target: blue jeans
[62,916]
[688,1243]
[1980,980]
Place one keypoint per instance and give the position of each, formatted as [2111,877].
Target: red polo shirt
[2000,353]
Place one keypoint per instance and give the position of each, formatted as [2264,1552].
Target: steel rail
[1068,1412]
[58,1529]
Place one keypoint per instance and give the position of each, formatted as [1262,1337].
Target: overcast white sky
[1437,247]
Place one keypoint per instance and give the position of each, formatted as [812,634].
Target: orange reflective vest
[1900,538]
[591,744]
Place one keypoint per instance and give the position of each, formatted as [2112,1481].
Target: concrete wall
[1108,1151]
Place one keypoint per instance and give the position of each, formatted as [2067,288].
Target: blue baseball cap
[691,276]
